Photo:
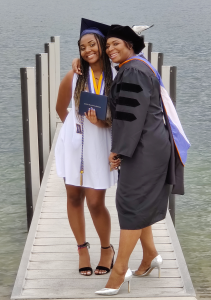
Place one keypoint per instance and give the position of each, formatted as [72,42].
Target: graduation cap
[89,26]
[127,34]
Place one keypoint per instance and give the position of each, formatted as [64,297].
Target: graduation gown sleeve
[132,102]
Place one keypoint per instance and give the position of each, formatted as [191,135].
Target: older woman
[143,139]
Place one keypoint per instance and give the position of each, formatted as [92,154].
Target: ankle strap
[107,247]
[85,245]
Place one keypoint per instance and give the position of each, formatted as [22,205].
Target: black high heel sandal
[85,245]
[102,268]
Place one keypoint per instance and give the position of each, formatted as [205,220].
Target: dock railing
[39,89]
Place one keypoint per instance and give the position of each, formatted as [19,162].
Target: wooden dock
[49,265]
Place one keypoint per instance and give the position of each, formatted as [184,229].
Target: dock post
[56,41]
[147,51]
[169,74]
[50,49]
[157,61]
[30,139]
[42,110]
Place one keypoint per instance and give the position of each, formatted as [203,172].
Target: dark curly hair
[82,79]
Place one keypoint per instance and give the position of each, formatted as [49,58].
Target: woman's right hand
[76,66]
[114,161]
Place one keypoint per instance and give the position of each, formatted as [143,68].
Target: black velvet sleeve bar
[132,102]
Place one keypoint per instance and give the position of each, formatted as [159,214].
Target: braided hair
[82,79]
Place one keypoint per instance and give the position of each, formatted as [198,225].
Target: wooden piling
[50,49]
[147,51]
[42,110]
[169,74]
[157,61]
[30,139]
[56,41]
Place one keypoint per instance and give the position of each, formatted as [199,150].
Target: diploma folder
[97,102]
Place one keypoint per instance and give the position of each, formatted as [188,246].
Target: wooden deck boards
[49,266]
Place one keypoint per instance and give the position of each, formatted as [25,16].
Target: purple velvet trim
[91,30]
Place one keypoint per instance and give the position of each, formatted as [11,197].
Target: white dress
[97,146]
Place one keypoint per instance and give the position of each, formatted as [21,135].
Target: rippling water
[182,33]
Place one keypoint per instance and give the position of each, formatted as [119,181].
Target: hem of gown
[90,187]
[158,219]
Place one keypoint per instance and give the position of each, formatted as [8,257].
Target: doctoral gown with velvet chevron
[140,136]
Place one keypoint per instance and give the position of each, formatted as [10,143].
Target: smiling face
[90,49]
[117,50]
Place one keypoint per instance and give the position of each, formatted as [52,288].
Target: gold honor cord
[97,87]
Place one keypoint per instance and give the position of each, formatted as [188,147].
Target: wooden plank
[95,248]
[98,283]
[89,233]
[48,274]
[66,265]
[68,293]
[64,215]
[93,241]
[156,232]
[52,216]
[55,179]
[58,256]
[66,222]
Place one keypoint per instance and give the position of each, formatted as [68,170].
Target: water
[182,33]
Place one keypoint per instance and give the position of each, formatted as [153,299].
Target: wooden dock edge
[188,285]
[19,282]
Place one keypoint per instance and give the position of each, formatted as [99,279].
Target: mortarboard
[89,26]
[127,34]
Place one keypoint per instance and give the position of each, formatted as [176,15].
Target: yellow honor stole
[97,87]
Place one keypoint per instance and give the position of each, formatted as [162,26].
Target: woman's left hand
[91,116]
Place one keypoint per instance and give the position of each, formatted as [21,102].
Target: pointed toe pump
[111,292]
[105,269]
[155,263]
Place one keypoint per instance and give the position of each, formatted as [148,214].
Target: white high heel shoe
[110,292]
[155,263]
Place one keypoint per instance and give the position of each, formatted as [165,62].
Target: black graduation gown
[140,136]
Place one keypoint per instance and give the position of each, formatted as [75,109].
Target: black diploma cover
[97,102]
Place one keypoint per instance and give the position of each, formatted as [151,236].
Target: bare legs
[149,250]
[75,211]
[128,240]
[102,223]
[100,217]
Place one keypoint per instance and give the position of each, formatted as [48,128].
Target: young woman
[83,147]
[141,135]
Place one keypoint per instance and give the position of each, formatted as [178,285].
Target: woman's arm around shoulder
[64,95]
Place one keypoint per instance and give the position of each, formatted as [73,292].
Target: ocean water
[182,32]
